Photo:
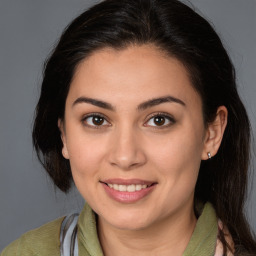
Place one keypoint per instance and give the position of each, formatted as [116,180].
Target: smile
[128,191]
[128,188]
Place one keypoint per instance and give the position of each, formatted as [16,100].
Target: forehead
[135,72]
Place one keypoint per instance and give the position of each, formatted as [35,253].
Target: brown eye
[160,120]
[95,121]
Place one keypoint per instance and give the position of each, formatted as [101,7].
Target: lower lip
[127,197]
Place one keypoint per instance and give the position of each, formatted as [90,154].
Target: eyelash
[93,115]
[152,116]
[163,115]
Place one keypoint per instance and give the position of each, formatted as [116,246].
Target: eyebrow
[142,106]
[95,102]
[158,101]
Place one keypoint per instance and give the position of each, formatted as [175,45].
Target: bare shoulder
[41,241]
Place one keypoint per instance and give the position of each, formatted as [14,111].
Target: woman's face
[134,134]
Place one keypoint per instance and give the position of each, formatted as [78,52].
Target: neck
[168,236]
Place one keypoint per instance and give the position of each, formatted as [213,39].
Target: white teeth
[131,188]
[138,187]
[122,188]
[128,188]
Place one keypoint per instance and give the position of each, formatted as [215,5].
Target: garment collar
[202,242]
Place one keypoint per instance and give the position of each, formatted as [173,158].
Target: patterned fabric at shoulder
[68,236]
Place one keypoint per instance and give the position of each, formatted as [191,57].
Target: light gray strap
[68,236]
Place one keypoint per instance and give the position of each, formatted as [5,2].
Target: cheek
[177,162]
[85,160]
[178,156]
[85,153]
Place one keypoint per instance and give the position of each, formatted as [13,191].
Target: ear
[63,138]
[214,133]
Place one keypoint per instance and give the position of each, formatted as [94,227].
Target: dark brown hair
[179,31]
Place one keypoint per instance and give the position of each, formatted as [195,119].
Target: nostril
[126,153]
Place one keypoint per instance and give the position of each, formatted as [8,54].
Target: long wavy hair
[180,32]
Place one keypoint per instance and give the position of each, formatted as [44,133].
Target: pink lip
[128,197]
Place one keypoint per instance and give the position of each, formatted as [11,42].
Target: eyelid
[148,118]
[93,115]
[163,114]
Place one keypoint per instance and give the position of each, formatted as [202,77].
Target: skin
[130,144]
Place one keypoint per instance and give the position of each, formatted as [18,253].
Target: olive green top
[45,241]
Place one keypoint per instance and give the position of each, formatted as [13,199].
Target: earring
[209,155]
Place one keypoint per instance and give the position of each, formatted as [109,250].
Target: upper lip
[128,181]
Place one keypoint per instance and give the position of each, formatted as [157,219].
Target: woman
[139,108]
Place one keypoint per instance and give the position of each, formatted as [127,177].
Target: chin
[131,221]
[129,225]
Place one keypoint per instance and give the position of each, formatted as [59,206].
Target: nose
[127,149]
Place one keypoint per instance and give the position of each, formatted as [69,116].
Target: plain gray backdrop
[28,31]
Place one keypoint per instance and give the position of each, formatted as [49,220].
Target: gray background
[28,31]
